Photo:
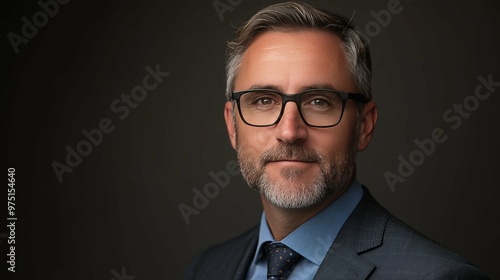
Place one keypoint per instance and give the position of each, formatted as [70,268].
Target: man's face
[292,164]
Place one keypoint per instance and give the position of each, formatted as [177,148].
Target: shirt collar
[313,238]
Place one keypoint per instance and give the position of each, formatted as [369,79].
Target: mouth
[291,162]
[290,156]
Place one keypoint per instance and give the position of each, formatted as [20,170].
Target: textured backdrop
[113,115]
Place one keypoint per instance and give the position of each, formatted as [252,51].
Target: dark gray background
[119,207]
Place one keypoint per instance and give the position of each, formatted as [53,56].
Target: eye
[263,101]
[320,102]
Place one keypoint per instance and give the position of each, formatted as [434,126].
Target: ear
[228,116]
[367,125]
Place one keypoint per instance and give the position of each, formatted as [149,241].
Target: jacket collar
[363,230]
[240,264]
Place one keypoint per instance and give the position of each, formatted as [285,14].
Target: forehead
[290,60]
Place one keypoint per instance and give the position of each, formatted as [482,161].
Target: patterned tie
[280,260]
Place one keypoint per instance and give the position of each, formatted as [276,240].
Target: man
[299,109]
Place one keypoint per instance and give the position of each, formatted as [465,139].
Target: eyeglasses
[317,107]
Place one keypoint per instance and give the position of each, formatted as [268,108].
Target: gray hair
[293,16]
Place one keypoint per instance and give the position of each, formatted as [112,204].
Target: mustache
[290,152]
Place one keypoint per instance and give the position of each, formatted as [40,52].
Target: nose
[291,129]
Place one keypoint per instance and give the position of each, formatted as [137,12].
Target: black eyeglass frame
[285,97]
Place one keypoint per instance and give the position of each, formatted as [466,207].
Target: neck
[283,221]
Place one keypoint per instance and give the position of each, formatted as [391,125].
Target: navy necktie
[280,260]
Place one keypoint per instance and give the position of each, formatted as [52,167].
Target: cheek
[333,142]
[253,141]
[326,143]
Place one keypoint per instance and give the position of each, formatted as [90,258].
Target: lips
[291,154]
[292,159]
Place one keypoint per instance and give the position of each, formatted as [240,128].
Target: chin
[294,195]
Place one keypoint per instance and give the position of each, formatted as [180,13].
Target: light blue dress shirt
[312,239]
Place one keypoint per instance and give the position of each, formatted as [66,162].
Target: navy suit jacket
[372,244]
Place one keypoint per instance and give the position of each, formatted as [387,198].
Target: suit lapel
[342,262]
[246,259]
[236,266]
[363,230]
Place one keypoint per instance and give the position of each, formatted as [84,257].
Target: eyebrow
[318,86]
[301,89]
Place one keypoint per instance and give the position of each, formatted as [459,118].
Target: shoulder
[224,259]
[403,251]
[405,244]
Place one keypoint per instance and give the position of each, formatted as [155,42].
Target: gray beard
[335,174]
